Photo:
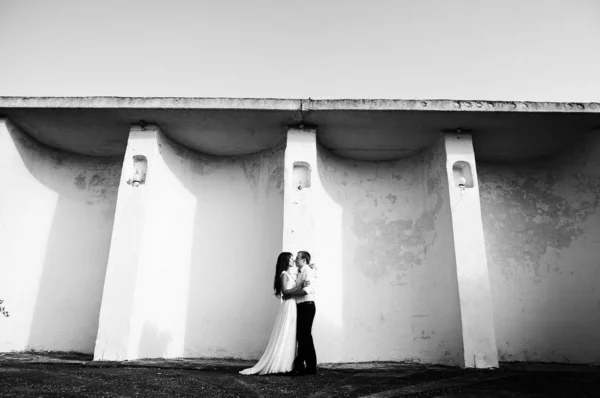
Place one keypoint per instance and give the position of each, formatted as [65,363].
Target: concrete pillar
[477,319]
[301,182]
[131,228]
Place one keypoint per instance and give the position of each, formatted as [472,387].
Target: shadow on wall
[65,316]
[542,227]
[399,297]
[226,298]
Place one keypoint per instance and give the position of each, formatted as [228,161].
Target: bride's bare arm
[293,292]
[284,281]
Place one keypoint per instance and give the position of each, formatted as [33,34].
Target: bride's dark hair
[283,262]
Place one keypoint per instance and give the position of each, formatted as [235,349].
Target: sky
[537,50]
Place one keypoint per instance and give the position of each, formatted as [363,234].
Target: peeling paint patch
[80,181]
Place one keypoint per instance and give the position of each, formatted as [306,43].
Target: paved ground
[75,375]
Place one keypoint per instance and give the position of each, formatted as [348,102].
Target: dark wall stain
[80,181]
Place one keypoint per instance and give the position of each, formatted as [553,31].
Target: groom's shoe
[306,372]
[297,372]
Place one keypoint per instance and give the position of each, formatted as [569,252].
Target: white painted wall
[542,229]
[194,248]
[56,215]
[383,245]
[208,235]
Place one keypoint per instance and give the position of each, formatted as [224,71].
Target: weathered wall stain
[276,175]
[386,245]
[80,181]
[529,213]
[521,206]
[100,180]
[385,218]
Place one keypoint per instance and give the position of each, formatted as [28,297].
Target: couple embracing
[295,286]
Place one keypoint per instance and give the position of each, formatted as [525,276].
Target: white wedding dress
[281,350]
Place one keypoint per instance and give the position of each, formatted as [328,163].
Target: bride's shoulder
[289,275]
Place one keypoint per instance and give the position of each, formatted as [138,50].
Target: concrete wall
[542,233]
[192,253]
[196,246]
[56,216]
[384,251]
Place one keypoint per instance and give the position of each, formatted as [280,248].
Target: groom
[305,301]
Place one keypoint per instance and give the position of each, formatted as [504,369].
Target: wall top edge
[303,105]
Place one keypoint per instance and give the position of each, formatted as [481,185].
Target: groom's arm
[309,289]
[288,292]
[297,292]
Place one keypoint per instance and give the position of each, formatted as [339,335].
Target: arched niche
[462,174]
[140,170]
[301,175]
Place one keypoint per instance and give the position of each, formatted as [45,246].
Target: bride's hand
[306,283]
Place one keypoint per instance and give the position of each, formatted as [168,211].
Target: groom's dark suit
[306,315]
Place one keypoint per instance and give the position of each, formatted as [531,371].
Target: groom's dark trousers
[306,347]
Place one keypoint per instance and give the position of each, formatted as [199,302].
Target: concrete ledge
[450,105]
[150,103]
[361,129]
[298,104]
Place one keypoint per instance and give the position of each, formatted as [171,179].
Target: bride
[281,351]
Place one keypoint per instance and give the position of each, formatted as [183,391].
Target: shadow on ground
[32,374]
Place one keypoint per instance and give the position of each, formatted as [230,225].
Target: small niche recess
[463,177]
[301,175]
[140,169]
